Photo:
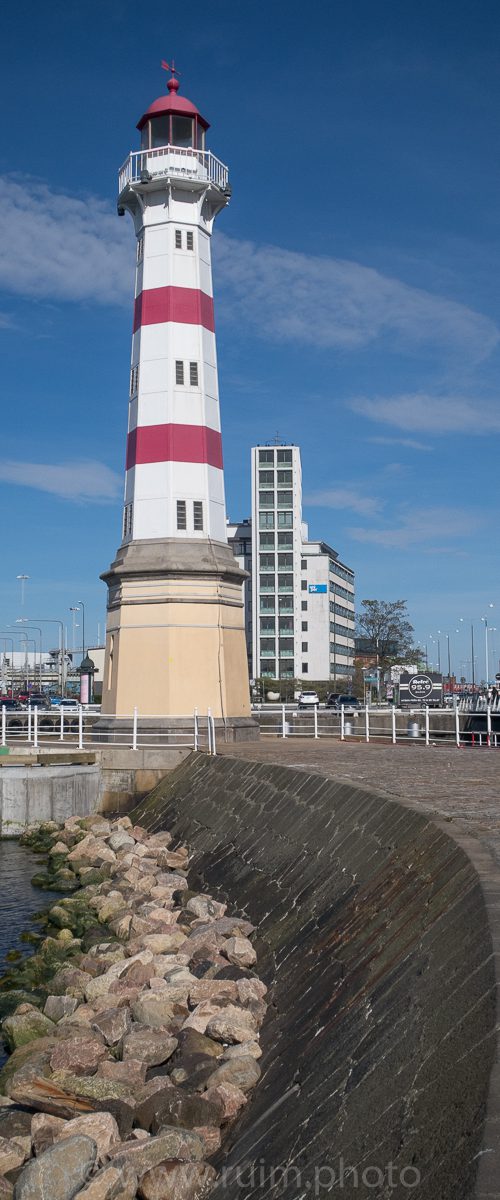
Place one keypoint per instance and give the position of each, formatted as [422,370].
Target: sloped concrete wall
[374,941]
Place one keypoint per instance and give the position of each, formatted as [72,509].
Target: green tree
[386,625]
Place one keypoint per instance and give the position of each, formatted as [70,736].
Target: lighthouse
[175,638]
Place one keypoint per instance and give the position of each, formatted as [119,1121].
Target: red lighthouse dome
[172,120]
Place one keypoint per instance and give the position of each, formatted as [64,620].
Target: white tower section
[174,484]
[175,637]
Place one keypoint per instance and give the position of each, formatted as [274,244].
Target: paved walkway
[462,786]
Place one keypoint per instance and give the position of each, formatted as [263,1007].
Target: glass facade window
[266,499]
[286,625]
[267,648]
[266,477]
[266,539]
[266,520]
[285,520]
[285,499]
[182,131]
[304,605]
[285,539]
[285,477]
[267,604]
[266,583]
[286,669]
[267,625]
[284,456]
[160,131]
[266,456]
[304,627]
[285,583]
[286,604]
[267,561]
[285,560]
[305,668]
[286,647]
[268,669]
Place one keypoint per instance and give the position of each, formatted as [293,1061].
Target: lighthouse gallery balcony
[177,162]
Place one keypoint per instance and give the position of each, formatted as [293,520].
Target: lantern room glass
[172,129]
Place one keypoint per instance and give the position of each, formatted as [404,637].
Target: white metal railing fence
[427,725]
[173,160]
[37,728]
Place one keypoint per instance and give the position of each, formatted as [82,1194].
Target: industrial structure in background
[175,630]
[299,602]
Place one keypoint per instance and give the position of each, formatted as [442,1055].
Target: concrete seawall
[375,941]
[29,794]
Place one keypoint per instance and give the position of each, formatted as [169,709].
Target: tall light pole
[82,606]
[37,627]
[51,621]
[462,621]
[74,609]
[22,580]
[447,636]
[487,659]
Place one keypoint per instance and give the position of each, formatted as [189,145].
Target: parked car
[331,699]
[308,699]
[70,702]
[9,703]
[350,702]
[38,700]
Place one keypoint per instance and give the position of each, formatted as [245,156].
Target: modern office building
[299,606]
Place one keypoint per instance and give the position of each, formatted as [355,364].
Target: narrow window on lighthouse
[193,374]
[189,241]
[140,249]
[179,372]
[134,379]
[178,239]
[198,515]
[181,514]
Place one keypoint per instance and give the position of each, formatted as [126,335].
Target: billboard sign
[317,587]
[422,687]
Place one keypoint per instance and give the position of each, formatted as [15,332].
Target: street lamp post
[487,659]
[82,606]
[73,610]
[37,627]
[22,579]
[52,621]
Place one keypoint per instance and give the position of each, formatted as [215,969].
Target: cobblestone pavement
[460,786]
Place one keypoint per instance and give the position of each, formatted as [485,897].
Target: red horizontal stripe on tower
[188,306]
[174,443]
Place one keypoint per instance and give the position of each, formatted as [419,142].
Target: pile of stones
[146,1048]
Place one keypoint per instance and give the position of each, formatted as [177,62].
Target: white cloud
[409,443]
[83,480]
[421,413]
[344,497]
[327,302]
[61,247]
[75,248]
[420,526]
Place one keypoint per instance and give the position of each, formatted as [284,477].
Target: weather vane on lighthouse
[175,633]
[173,83]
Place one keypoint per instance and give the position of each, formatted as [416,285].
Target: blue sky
[355,277]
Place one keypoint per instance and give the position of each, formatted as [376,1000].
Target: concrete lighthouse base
[175,638]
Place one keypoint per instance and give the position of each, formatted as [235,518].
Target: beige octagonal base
[175,638]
